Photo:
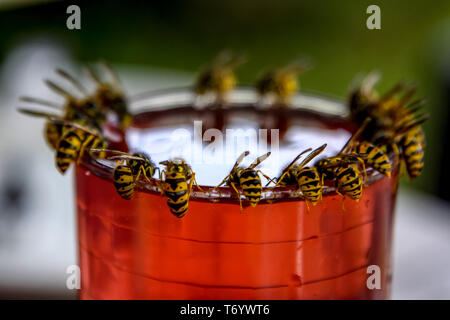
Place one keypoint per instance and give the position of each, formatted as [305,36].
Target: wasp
[407,141]
[362,96]
[74,143]
[86,108]
[281,83]
[408,145]
[82,111]
[374,156]
[364,102]
[110,96]
[246,178]
[413,145]
[177,181]
[218,77]
[128,169]
[344,167]
[307,179]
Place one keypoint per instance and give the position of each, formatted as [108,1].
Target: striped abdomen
[68,148]
[123,180]
[52,133]
[250,183]
[176,190]
[349,181]
[310,184]
[413,151]
[376,157]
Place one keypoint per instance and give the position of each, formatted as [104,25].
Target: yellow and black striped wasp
[75,142]
[282,83]
[83,111]
[75,139]
[345,168]
[176,183]
[413,151]
[128,169]
[218,77]
[307,179]
[246,178]
[408,144]
[110,96]
[86,108]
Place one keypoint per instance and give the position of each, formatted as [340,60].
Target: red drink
[138,250]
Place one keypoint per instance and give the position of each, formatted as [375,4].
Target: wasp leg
[396,153]
[343,199]
[239,196]
[265,176]
[193,179]
[161,181]
[83,148]
[364,169]
[280,178]
[142,169]
[307,206]
[191,183]
[220,184]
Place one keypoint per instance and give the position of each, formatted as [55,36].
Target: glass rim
[241,97]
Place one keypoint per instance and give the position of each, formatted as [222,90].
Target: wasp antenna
[239,159]
[408,95]
[72,80]
[355,135]
[92,74]
[312,155]
[107,67]
[40,102]
[35,113]
[416,103]
[398,87]
[413,110]
[58,89]
[259,160]
[295,160]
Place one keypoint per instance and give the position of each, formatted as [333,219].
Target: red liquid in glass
[138,250]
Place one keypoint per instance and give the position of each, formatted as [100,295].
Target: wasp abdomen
[123,181]
[251,186]
[376,157]
[177,194]
[68,149]
[349,181]
[413,150]
[310,184]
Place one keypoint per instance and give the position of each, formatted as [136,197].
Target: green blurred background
[413,43]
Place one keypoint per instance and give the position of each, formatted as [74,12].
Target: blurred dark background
[176,38]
